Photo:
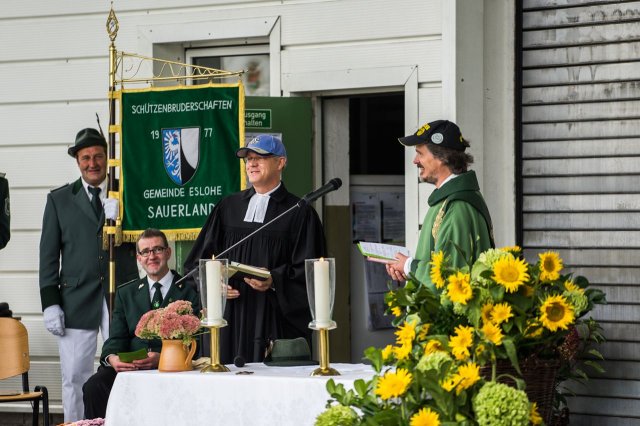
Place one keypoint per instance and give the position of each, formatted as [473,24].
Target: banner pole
[112,30]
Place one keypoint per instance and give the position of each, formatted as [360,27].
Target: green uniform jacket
[74,269]
[457,214]
[133,301]
[5,231]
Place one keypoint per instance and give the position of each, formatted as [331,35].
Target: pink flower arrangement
[174,322]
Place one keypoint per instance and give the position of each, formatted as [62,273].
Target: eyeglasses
[155,250]
[257,159]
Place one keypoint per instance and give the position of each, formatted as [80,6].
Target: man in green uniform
[5,216]
[74,272]
[457,212]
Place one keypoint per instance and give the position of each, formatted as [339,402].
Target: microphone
[238,361]
[332,185]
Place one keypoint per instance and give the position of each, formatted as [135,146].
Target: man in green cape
[457,215]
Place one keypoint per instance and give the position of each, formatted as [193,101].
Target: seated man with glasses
[133,300]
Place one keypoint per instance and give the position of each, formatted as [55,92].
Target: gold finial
[112,24]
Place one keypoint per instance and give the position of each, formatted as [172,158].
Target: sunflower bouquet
[452,333]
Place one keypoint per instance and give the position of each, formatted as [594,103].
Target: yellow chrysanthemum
[459,289]
[469,374]
[396,311]
[485,312]
[435,273]
[501,313]
[534,415]
[492,333]
[432,346]
[424,332]
[393,384]
[387,352]
[402,352]
[480,348]
[425,417]
[570,286]
[461,342]
[556,313]
[510,272]
[550,266]
[406,333]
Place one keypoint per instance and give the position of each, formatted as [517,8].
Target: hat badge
[437,138]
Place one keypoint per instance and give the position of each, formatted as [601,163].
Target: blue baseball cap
[263,145]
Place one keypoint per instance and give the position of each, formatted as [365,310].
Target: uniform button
[101,278]
[99,257]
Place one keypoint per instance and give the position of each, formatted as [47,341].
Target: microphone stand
[296,205]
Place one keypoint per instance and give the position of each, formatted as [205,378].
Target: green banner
[178,156]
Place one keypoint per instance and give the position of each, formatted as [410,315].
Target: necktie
[157,296]
[95,200]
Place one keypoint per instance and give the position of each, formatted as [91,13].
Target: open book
[378,252]
[240,270]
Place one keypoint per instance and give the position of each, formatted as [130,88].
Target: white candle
[321,291]
[214,291]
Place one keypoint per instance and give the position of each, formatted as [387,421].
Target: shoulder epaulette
[129,282]
[60,187]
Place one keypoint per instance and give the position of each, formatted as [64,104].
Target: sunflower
[402,352]
[534,415]
[424,332]
[406,333]
[425,417]
[550,266]
[501,313]
[387,352]
[461,342]
[570,286]
[485,312]
[393,384]
[510,272]
[469,374]
[432,346]
[437,278]
[556,313]
[450,383]
[533,329]
[396,311]
[492,333]
[512,249]
[459,289]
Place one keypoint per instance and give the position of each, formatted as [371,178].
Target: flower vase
[175,356]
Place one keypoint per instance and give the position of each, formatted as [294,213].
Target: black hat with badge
[443,133]
[86,138]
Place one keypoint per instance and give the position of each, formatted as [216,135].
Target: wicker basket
[540,377]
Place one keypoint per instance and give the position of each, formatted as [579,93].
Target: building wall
[54,60]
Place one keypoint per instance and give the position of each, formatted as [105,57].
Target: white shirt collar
[102,186]
[450,177]
[257,208]
[166,282]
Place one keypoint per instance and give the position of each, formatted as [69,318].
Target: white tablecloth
[270,396]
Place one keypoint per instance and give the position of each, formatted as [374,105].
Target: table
[269,396]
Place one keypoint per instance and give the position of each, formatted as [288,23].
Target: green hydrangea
[337,415]
[578,300]
[490,256]
[497,404]
[433,361]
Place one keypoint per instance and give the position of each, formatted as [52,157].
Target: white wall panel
[582,202]
[570,239]
[579,220]
[574,256]
[581,54]
[596,14]
[586,129]
[581,74]
[581,111]
[582,92]
[579,34]
[581,148]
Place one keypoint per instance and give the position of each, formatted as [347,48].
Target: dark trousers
[96,392]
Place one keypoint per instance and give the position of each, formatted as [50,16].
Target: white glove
[54,320]
[111,208]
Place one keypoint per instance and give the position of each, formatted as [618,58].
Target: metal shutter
[579,186]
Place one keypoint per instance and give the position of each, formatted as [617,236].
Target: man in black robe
[259,311]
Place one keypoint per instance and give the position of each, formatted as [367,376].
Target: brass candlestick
[324,369]
[215,366]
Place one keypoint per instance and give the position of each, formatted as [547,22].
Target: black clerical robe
[282,247]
